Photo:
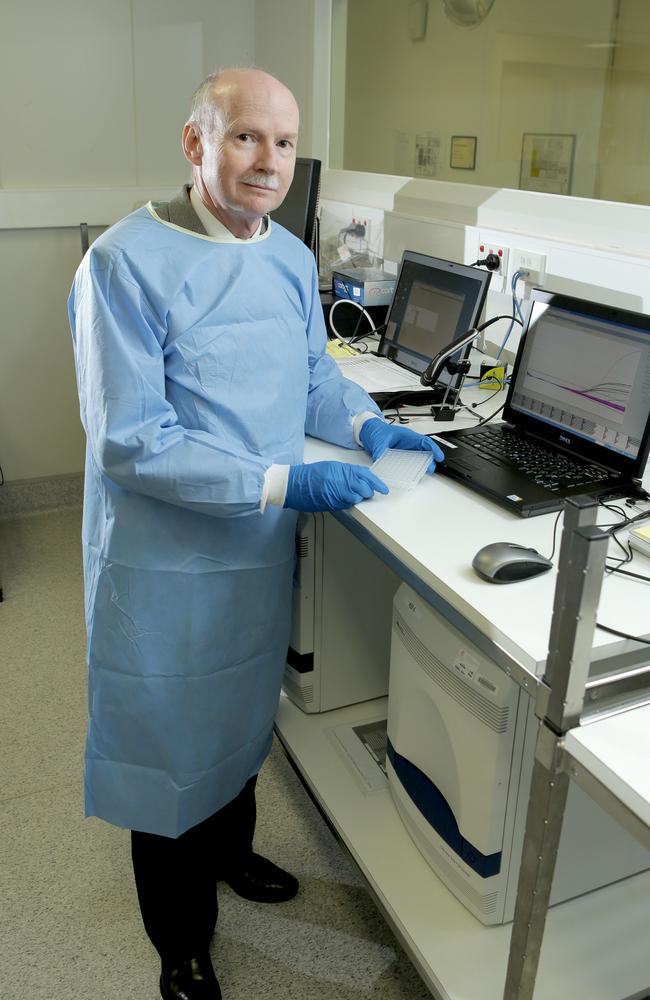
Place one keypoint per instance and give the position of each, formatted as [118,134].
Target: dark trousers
[176,878]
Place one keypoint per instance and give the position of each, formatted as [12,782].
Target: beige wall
[530,67]
[93,96]
[39,413]
[625,140]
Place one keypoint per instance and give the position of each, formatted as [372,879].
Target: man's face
[243,168]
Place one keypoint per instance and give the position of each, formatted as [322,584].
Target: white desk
[611,757]
[593,946]
[434,532]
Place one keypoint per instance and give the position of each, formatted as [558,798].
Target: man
[200,353]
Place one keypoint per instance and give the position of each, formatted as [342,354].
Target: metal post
[548,792]
[582,562]
[572,627]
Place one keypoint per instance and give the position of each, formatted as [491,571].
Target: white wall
[93,95]
[292,41]
[595,250]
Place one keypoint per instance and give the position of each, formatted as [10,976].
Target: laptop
[435,301]
[576,416]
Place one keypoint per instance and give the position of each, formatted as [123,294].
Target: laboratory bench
[594,945]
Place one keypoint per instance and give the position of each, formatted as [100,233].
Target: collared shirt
[212,225]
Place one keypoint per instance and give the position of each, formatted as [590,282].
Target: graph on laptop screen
[588,374]
[435,302]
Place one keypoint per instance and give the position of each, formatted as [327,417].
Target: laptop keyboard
[544,466]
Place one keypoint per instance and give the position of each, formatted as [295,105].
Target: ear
[192,148]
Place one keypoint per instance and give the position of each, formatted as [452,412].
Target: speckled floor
[69,922]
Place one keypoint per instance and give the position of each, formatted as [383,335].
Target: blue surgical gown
[199,364]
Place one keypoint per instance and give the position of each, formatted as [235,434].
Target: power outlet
[502,253]
[354,242]
[532,264]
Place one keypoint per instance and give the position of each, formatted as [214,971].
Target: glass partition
[542,95]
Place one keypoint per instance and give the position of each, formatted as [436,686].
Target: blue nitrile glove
[377,437]
[330,486]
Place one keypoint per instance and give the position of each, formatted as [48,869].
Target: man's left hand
[376,437]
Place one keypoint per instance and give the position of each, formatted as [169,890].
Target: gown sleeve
[133,432]
[333,401]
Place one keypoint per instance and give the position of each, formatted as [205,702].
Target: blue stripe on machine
[434,807]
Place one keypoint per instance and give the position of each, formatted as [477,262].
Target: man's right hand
[330,486]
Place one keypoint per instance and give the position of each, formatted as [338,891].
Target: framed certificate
[463,152]
[547,162]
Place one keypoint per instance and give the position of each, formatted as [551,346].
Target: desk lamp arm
[438,364]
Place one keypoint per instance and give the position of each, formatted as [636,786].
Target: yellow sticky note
[337,349]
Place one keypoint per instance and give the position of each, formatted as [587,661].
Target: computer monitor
[297,213]
[435,302]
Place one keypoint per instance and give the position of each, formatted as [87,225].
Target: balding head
[213,99]
[241,141]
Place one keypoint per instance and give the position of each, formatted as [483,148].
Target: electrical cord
[337,302]
[485,420]
[626,548]
[623,635]
[628,572]
[356,229]
[516,309]
[360,336]
[474,406]
[492,261]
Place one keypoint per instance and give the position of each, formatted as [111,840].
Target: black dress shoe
[190,979]
[261,881]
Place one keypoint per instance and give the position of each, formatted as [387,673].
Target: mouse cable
[557,521]
[623,635]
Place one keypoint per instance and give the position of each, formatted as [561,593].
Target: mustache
[261,180]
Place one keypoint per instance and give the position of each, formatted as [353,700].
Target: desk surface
[617,752]
[435,530]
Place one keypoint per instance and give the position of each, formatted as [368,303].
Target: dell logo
[564,439]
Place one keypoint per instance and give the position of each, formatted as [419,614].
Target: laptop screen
[583,374]
[435,301]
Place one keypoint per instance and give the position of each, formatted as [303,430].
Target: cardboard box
[368,286]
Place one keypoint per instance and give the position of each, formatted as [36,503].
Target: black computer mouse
[507,562]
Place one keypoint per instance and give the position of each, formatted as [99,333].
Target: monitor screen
[297,213]
[435,302]
[585,373]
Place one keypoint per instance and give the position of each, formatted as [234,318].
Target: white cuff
[360,420]
[274,491]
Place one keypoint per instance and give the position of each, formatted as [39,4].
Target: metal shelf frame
[567,697]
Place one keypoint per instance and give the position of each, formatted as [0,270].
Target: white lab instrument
[461,740]
[342,608]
